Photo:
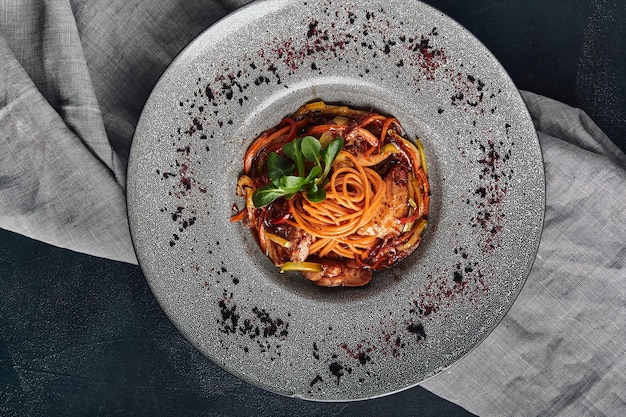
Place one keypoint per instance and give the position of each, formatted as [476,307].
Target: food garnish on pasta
[335,193]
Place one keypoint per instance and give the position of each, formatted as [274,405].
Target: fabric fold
[571,125]
[560,350]
[44,41]
[53,187]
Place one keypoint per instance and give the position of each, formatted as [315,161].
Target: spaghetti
[363,212]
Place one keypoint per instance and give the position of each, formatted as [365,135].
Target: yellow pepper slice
[301,267]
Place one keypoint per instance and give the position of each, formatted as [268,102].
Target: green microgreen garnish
[288,173]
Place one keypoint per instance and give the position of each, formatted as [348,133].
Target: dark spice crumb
[417,329]
[315,380]
[316,352]
[337,370]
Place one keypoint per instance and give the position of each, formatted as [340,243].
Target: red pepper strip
[281,220]
[371,118]
[292,129]
[411,218]
[292,133]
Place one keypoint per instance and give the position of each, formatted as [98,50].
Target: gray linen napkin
[73,78]
[60,180]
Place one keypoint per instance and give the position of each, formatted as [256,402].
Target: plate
[279,331]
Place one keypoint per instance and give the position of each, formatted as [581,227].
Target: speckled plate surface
[279,331]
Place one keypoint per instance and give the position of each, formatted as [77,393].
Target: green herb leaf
[315,172]
[315,194]
[278,166]
[265,195]
[311,149]
[291,184]
[293,150]
[329,153]
[280,171]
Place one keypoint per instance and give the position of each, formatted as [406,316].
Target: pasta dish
[335,193]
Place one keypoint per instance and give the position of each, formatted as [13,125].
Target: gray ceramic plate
[279,331]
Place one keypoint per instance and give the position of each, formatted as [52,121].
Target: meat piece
[340,274]
[295,250]
[394,206]
[300,243]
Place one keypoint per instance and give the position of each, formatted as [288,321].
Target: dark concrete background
[83,336]
[570,50]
